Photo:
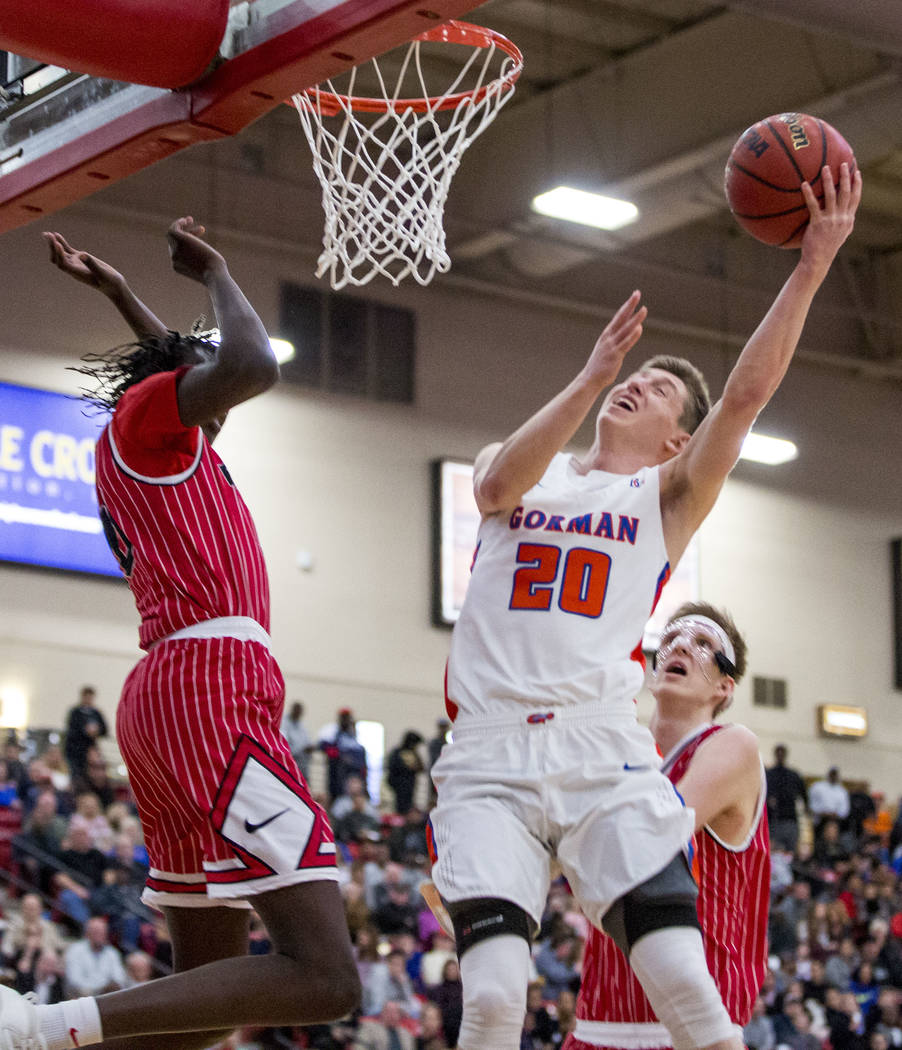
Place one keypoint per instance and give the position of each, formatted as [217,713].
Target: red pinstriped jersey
[734,886]
[175,520]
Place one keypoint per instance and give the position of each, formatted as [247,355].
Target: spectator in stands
[37,779]
[29,927]
[15,767]
[155,940]
[138,969]
[794,909]
[95,777]
[366,951]
[82,871]
[888,951]
[9,787]
[357,823]
[448,996]
[404,766]
[758,1034]
[433,962]
[295,732]
[345,755]
[38,847]
[432,1033]
[829,848]
[89,814]
[407,842]
[828,798]
[85,725]
[785,794]
[385,878]
[388,1032]
[11,815]
[42,977]
[357,914]
[816,985]
[839,968]
[373,856]
[389,982]
[435,745]
[895,835]
[93,965]
[886,1017]
[354,788]
[566,1012]
[862,811]
[119,897]
[865,988]
[540,1027]
[60,777]
[433,750]
[555,962]
[130,827]
[397,910]
[802,1037]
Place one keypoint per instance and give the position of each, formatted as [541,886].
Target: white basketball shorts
[573,784]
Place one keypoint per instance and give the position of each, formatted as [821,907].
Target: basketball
[767,167]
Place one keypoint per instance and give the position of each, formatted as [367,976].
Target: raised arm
[503,472]
[691,481]
[244,365]
[97,274]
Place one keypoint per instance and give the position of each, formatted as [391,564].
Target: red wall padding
[164,43]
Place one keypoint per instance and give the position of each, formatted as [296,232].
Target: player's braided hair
[114,371]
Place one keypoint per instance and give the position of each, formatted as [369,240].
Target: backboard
[66,134]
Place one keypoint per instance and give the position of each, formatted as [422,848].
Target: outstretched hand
[191,255]
[621,334]
[82,266]
[829,225]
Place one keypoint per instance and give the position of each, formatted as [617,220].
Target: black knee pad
[478,919]
[666,899]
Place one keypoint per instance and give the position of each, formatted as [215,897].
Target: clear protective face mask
[705,641]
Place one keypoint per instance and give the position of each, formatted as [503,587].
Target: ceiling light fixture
[589,209]
[759,448]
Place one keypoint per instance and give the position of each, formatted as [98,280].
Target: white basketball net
[386,175]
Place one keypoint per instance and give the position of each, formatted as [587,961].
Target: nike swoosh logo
[73,1033]
[632,769]
[251,828]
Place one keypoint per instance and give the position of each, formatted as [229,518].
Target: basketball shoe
[19,1022]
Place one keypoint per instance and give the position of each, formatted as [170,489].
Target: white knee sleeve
[670,965]
[495,974]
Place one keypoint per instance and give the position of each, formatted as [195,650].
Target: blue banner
[48,506]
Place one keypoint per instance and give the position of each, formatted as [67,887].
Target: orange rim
[331,104]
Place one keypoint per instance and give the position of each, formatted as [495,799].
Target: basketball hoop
[386,168]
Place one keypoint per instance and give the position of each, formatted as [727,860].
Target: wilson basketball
[767,167]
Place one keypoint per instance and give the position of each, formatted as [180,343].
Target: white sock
[70,1024]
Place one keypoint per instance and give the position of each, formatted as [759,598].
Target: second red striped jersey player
[734,883]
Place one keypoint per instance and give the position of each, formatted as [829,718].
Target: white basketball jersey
[560,594]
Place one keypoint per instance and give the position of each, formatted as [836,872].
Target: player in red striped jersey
[227,815]
[718,770]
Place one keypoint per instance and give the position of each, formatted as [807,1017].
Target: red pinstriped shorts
[225,811]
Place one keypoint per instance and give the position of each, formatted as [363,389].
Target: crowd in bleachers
[73,922]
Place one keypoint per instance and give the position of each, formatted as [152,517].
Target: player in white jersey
[547,760]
